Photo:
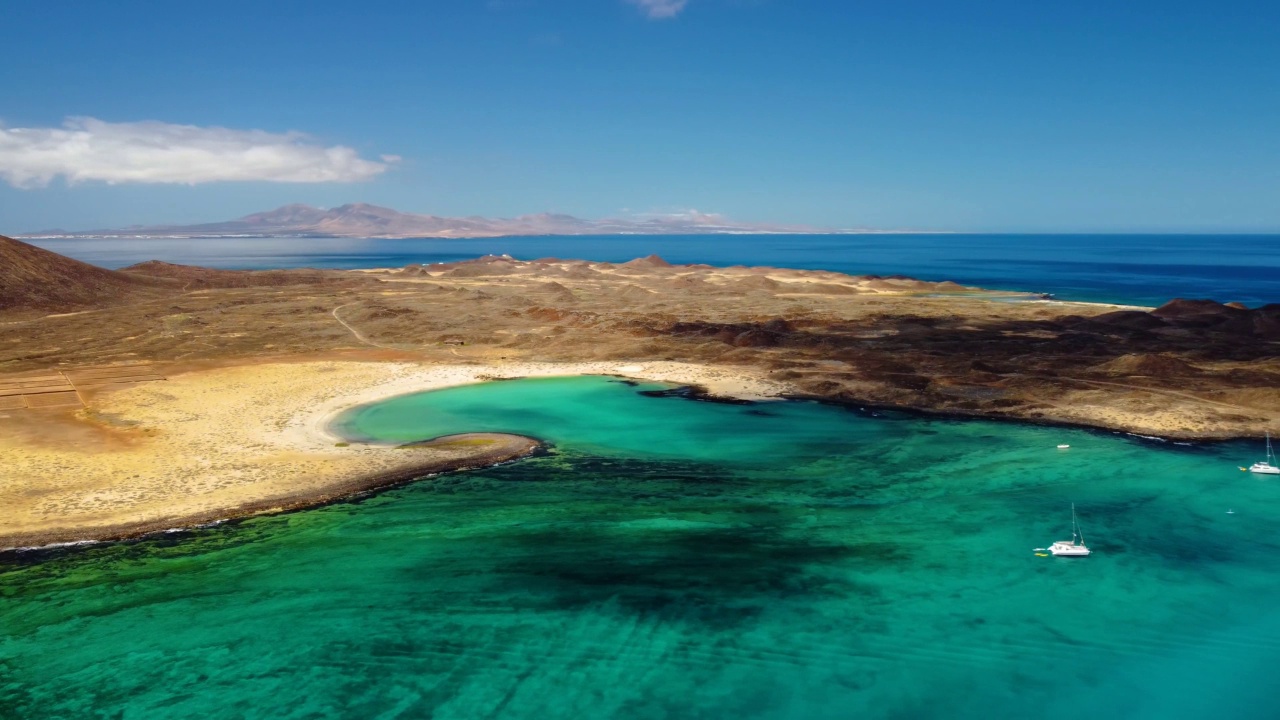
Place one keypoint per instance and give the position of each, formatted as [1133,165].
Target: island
[164,396]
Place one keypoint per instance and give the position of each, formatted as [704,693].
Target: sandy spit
[211,445]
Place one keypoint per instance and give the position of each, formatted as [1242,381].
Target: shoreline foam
[735,383]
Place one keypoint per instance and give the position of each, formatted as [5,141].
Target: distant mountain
[362,220]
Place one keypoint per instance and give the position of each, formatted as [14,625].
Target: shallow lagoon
[672,559]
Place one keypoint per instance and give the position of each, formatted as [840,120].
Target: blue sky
[993,116]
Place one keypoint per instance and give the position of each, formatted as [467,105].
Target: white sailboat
[1268,466]
[1074,548]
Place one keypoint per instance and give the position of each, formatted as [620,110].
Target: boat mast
[1076,537]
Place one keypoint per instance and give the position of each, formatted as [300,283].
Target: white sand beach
[247,438]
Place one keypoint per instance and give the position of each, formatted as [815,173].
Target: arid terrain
[1194,369]
[101,341]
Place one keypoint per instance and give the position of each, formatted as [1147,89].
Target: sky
[999,116]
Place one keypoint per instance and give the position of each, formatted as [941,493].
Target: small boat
[1075,547]
[1268,466]
[1063,447]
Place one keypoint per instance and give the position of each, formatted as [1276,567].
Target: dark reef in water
[710,570]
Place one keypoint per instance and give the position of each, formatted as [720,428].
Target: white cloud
[660,9]
[85,149]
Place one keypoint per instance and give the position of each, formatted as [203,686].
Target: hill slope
[193,277]
[32,278]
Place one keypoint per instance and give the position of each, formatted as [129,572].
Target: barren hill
[193,277]
[1193,369]
[35,279]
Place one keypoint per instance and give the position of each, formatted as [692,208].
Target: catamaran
[1268,466]
[1074,548]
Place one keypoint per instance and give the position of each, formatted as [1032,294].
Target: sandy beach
[212,444]
[239,374]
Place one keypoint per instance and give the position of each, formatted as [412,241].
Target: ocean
[672,558]
[1128,269]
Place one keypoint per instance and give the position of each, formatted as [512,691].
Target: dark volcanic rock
[756,338]
[777,325]
[1127,319]
[1150,365]
[1208,316]
[1180,308]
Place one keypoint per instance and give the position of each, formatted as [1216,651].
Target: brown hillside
[649,261]
[193,277]
[1149,365]
[32,279]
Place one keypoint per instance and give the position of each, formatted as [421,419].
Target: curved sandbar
[464,451]
[253,438]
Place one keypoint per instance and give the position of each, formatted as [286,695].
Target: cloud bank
[85,149]
[660,9]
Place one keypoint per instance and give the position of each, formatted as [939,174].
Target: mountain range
[363,220]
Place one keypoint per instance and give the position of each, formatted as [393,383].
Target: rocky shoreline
[258,362]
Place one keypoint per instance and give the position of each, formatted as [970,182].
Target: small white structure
[1075,547]
[1268,466]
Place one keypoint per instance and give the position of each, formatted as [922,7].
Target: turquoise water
[680,559]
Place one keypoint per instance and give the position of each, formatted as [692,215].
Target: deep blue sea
[1136,269]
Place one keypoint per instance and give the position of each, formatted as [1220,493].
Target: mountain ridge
[366,220]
